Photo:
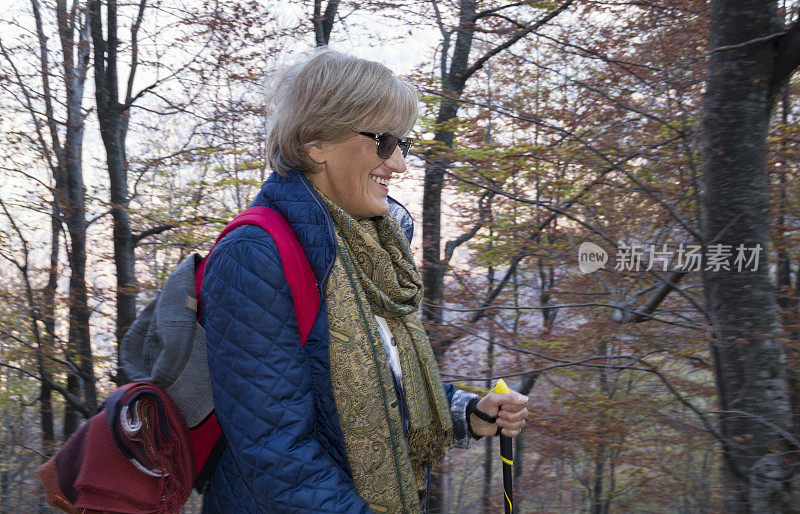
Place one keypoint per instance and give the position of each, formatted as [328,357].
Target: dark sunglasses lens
[386,145]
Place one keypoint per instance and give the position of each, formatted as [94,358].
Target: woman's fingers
[506,415]
[511,433]
[512,414]
[511,424]
[512,407]
[512,401]
[511,429]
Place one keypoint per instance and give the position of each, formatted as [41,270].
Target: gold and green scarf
[374,274]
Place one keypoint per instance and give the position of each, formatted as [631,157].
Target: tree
[613,160]
[57,118]
[752,54]
[113,117]
[229,48]
[454,71]
[323,21]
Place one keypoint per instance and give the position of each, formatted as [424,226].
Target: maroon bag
[134,455]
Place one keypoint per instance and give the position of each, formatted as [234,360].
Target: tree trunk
[323,22]
[45,391]
[113,119]
[114,130]
[432,267]
[70,198]
[453,80]
[79,335]
[597,488]
[453,77]
[787,298]
[753,397]
[528,381]
[5,471]
[547,277]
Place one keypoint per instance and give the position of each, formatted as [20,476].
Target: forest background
[131,132]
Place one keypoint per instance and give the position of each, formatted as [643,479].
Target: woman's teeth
[380,180]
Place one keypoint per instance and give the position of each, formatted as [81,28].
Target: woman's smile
[381,181]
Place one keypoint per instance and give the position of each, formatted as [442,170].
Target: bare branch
[451,246]
[44,71]
[74,401]
[632,312]
[670,209]
[445,40]
[544,204]
[749,42]
[168,226]
[52,125]
[25,446]
[149,89]
[592,54]
[624,314]
[134,50]
[477,65]
[605,95]
[512,268]
[489,12]
[24,265]
[517,24]
[786,435]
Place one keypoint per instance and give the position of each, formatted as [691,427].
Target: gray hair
[326,97]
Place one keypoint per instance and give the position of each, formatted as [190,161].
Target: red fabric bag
[133,456]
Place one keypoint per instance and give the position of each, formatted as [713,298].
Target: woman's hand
[510,409]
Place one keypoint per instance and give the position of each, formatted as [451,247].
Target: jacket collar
[295,199]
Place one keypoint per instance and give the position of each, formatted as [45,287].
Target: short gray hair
[326,97]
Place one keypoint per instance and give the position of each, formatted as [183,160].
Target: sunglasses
[387,143]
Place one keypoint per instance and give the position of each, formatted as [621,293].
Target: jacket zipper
[329,223]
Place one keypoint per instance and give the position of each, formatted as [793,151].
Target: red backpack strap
[296,268]
[207,443]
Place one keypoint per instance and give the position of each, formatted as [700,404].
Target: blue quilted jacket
[272,396]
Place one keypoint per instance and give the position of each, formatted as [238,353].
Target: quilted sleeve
[262,383]
[458,400]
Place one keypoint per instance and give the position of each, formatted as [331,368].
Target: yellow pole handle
[500,387]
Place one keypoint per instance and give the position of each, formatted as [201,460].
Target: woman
[352,421]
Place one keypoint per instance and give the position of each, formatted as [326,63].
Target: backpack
[164,354]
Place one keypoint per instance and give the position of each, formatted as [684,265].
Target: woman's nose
[396,162]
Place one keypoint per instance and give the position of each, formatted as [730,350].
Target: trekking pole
[507,456]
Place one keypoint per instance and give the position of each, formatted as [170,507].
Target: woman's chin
[384,207]
[374,211]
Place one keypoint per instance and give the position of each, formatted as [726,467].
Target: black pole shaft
[507,456]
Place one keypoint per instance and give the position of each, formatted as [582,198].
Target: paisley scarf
[374,274]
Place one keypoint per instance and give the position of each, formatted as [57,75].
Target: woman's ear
[316,151]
